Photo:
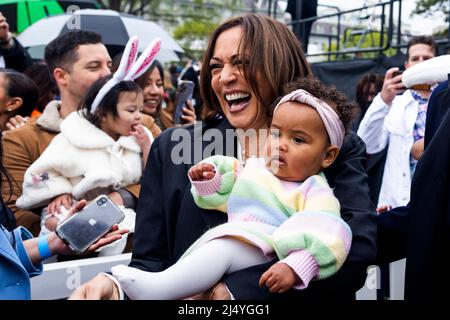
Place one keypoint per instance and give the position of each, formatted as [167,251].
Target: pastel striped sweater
[301,226]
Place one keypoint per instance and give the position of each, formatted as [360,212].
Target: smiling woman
[262,221]
[152,83]
[248,61]
[242,65]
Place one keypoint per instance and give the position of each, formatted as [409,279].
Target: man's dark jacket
[16,57]
[420,231]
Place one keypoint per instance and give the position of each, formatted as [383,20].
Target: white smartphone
[82,229]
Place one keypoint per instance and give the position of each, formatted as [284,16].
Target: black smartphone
[396,73]
[87,226]
[184,93]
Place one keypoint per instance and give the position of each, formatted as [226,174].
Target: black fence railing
[386,20]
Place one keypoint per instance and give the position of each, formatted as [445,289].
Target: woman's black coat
[168,221]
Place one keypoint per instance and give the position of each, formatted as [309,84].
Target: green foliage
[191,30]
[198,20]
[369,39]
[428,7]
[191,21]
[441,34]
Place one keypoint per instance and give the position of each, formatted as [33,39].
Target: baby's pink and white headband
[129,69]
[330,118]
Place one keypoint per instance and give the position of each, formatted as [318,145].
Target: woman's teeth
[237,101]
[236,96]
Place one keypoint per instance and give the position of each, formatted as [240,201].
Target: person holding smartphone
[21,255]
[248,61]
[396,120]
[152,83]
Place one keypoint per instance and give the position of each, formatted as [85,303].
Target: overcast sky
[419,25]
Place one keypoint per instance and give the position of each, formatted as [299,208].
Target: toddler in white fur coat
[101,148]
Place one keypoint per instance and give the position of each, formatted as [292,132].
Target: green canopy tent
[23,13]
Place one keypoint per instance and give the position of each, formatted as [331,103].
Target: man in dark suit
[420,231]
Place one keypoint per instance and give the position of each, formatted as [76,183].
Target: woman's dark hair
[142,80]
[21,86]
[40,74]
[363,89]
[345,108]
[109,101]
[273,53]
[164,117]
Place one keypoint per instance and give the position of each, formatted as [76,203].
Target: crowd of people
[289,211]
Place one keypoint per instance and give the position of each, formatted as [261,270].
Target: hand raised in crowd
[188,114]
[392,86]
[5,35]
[202,172]
[279,278]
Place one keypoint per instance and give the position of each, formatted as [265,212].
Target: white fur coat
[80,159]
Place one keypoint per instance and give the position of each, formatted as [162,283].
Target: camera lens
[101,201]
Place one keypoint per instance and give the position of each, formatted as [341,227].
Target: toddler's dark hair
[109,101]
[345,108]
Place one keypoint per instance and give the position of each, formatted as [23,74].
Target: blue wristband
[44,249]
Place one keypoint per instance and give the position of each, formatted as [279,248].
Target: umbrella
[115,29]
[23,13]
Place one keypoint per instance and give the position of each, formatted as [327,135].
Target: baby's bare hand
[141,137]
[202,172]
[279,278]
[65,200]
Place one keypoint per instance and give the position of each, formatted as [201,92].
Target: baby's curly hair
[345,108]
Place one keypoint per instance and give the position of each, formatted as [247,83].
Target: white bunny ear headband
[129,69]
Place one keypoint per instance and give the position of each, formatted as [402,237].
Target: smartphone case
[184,93]
[87,226]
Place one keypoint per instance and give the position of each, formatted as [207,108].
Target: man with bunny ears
[76,59]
